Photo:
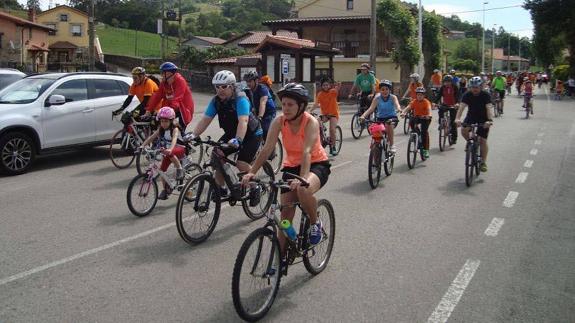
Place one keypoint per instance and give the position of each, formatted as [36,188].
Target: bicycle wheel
[338,139]
[142,195]
[257,275]
[276,159]
[374,165]
[389,159]
[405,125]
[469,164]
[265,175]
[477,159]
[356,127]
[442,135]
[198,209]
[496,110]
[122,147]
[190,171]
[143,163]
[316,259]
[412,151]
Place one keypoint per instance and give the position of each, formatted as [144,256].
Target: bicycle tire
[212,195]
[356,127]
[338,139]
[389,160]
[476,158]
[133,185]
[118,155]
[142,164]
[273,281]
[406,125]
[412,151]
[266,195]
[442,135]
[374,166]
[308,261]
[469,164]
[276,160]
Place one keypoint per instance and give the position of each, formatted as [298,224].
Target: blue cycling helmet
[168,67]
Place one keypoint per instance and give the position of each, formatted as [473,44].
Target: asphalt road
[421,247]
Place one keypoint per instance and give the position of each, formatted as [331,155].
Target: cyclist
[175,93]
[527,89]
[448,99]
[305,157]
[509,82]
[435,81]
[326,100]
[559,88]
[414,83]
[241,127]
[421,108]
[498,84]
[365,82]
[168,133]
[262,102]
[519,83]
[143,88]
[386,106]
[462,86]
[456,78]
[479,103]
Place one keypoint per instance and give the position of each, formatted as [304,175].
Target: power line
[480,10]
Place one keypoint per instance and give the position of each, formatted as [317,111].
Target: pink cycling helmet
[166,113]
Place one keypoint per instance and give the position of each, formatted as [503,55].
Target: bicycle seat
[376,130]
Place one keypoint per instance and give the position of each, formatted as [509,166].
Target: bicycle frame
[154,171]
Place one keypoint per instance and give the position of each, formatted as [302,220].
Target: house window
[349,4]
[63,17]
[52,32]
[77,30]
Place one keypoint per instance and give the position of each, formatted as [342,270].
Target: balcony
[355,48]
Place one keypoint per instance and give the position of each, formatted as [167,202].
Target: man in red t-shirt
[175,93]
[450,95]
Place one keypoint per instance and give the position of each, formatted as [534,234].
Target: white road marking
[534,151]
[528,164]
[521,178]
[541,134]
[510,199]
[538,142]
[454,293]
[494,227]
[342,164]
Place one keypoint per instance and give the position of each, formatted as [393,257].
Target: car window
[125,87]
[74,90]
[7,79]
[106,88]
[24,91]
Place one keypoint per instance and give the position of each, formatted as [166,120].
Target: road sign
[285,67]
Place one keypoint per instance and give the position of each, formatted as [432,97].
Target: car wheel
[17,153]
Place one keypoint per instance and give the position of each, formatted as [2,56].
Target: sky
[515,20]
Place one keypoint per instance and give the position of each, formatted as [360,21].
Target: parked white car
[49,112]
[9,76]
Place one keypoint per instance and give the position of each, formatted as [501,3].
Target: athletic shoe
[163,195]
[426,153]
[315,233]
[483,167]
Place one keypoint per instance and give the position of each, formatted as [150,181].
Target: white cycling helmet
[436,71]
[224,77]
[414,76]
[475,81]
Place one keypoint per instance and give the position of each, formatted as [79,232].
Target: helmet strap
[300,111]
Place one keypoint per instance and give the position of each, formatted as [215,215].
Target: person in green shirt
[365,82]
[498,84]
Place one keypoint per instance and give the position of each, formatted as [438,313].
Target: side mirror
[56,99]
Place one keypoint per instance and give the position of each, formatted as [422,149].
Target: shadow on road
[458,187]
[361,186]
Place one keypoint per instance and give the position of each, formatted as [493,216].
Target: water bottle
[230,172]
[288,229]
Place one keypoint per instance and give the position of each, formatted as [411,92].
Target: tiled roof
[258,36]
[315,19]
[213,40]
[23,22]
[232,60]
[63,45]
[293,43]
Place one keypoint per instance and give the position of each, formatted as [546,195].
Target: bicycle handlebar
[284,184]
[210,142]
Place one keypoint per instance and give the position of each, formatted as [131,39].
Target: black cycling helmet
[448,78]
[385,83]
[251,75]
[297,92]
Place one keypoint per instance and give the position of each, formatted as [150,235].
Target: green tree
[467,49]
[432,40]
[11,4]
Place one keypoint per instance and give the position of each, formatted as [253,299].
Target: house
[500,61]
[68,43]
[202,42]
[456,34]
[251,39]
[23,42]
[344,25]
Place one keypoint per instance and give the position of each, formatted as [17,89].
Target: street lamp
[493,50]
[420,40]
[483,40]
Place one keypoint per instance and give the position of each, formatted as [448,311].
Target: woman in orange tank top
[304,156]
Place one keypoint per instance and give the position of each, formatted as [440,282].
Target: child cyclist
[326,99]
[421,108]
[168,134]
[527,90]
[386,106]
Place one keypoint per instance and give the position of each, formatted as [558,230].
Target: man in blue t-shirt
[263,105]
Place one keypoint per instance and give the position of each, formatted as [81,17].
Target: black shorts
[321,170]
[248,149]
[392,120]
[501,94]
[481,131]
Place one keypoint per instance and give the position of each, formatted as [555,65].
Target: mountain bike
[324,133]
[407,119]
[415,144]
[126,141]
[445,135]
[497,104]
[356,126]
[472,157]
[260,263]
[379,153]
[199,204]
[528,105]
[142,194]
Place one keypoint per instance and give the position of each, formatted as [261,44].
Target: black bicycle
[472,157]
[445,135]
[125,142]
[497,104]
[407,119]
[260,264]
[324,133]
[199,204]
[415,144]
[356,126]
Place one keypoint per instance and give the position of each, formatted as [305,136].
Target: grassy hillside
[204,8]
[120,41]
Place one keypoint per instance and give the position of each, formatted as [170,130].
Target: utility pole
[483,41]
[180,24]
[373,37]
[162,48]
[519,58]
[420,70]
[508,53]
[91,37]
[493,50]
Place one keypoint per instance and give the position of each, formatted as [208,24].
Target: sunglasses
[222,87]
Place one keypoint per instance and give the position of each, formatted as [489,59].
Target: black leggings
[452,114]
[424,130]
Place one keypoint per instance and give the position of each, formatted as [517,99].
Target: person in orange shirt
[421,108]
[435,81]
[559,88]
[413,86]
[326,100]
[143,88]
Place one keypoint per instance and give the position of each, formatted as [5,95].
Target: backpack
[155,79]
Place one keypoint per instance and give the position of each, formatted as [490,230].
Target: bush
[467,65]
[561,72]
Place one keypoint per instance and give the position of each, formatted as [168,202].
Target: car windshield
[7,79]
[24,91]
